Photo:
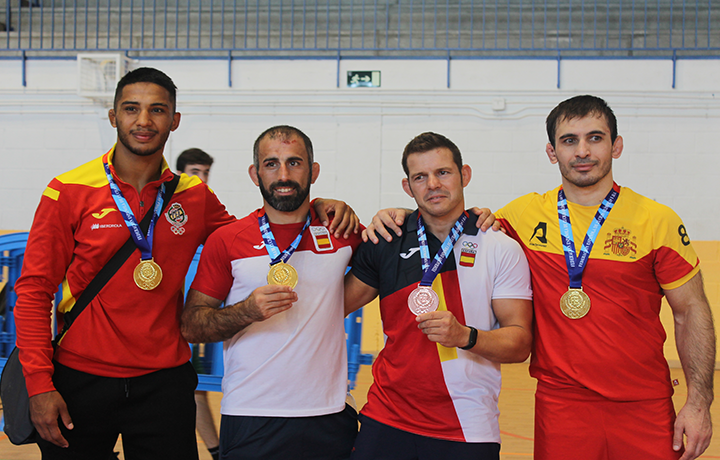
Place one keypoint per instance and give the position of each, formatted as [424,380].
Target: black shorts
[326,437]
[377,441]
[155,413]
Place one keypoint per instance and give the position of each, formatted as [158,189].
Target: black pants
[324,437]
[155,413]
[377,441]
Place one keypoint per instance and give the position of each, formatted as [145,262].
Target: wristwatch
[473,339]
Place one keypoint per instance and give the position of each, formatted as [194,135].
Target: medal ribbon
[143,242]
[270,244]
[431,271]
[576,264]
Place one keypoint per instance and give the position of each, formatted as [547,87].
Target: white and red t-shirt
[421,386]
[293,364]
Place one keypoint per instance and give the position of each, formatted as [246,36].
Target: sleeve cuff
[39,382]
[683,280]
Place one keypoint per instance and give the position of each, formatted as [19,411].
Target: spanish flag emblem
[321,238]
[467,258]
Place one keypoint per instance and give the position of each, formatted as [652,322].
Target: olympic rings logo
[469,244]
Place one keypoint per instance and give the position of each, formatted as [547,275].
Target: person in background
[196,162]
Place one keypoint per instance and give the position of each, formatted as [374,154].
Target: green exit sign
[363,78]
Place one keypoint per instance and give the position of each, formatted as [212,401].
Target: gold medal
[575,303]
[148,275]
[283,274]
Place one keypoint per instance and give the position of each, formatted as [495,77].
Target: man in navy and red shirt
[437,380]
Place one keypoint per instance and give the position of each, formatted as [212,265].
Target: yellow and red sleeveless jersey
[616,350]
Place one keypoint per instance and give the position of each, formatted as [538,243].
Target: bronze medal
[423,300]
[575,303]
[147,275]
[283,274]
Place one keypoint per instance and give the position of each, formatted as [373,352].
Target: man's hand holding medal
[267,301]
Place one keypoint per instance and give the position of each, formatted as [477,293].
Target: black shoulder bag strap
[114,264]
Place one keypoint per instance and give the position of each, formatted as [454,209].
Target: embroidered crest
[321,238]
[467,254]
[177,217]
[621,243]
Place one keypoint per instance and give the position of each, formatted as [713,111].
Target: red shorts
[572,424]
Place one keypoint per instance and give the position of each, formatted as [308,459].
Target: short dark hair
[146,75]
[580,107]
[193,157]
[283,133]
[428,141]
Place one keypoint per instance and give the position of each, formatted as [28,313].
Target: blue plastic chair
[12,251]
[353,333]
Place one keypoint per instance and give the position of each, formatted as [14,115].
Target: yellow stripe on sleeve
[68,301]
[51,193]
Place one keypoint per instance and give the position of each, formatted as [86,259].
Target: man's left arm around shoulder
[510,343]
[695,341]
[203,321]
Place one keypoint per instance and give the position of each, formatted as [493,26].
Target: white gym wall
[494,110]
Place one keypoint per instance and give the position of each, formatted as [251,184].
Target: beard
[285,203]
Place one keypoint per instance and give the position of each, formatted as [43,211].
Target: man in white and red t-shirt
[285,378]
